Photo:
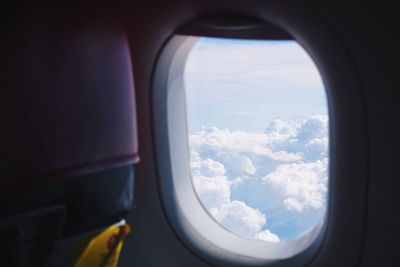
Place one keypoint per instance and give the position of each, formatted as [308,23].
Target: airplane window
[257,124]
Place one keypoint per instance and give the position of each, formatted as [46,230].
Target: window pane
[258,135]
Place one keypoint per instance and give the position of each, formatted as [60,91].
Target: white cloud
[313,127]
[301,185]
[240,218]
[266,235]
[211,168]
[236,216]
[287,163]
[213,191]
[280,127]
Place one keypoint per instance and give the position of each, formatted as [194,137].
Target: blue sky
[243,84]
[258,134]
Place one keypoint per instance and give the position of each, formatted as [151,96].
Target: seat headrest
[69,102]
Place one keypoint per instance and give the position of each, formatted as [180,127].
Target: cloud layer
[255,183]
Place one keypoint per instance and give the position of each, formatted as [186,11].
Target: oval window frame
[173,191]
[188,204]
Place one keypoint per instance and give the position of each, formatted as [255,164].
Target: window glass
[258,135]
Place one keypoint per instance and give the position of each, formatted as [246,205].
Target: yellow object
[104,249]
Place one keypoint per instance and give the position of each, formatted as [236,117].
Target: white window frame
[184,210]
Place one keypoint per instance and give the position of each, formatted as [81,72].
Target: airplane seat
[69,138]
